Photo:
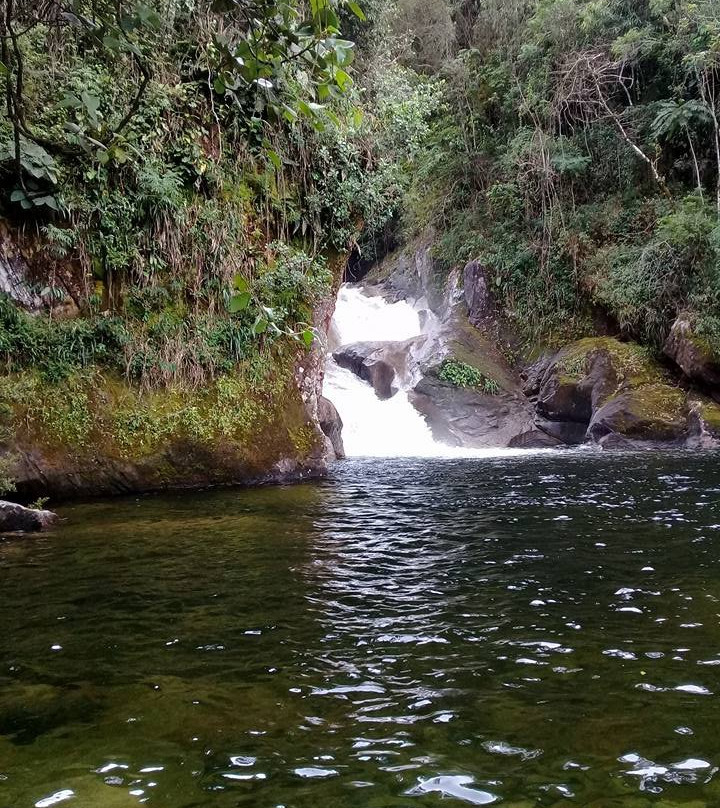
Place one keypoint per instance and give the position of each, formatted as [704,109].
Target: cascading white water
[372,427]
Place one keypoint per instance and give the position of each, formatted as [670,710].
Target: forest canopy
[205,159]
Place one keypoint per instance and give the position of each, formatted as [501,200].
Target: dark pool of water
[528,631]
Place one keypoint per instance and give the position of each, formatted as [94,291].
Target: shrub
[460,374]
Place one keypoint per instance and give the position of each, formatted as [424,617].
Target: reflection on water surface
[523,631]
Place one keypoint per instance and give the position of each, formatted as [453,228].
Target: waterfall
[372,427]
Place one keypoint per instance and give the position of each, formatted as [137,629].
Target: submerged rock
[15,518]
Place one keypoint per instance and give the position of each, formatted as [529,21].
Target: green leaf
[50,201]
[356,10]
[260,326]
[307,337]
[91,102]
[240,284]
[4,71]
[219,85]
[239,302]
[71,101]
[275,159]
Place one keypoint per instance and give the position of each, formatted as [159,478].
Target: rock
[614,394]
[532,376]
[467,417]
[365,360]
[584,374]
[17,519]
[409,274]
[693,355]
[652,414]
[704,423]
[478,297]
[569,433]
[331,425]
[535,439]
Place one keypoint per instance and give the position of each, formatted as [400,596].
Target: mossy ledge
[93,433]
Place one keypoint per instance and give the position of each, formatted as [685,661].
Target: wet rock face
[367,360]
[331,425]
[478,297]
[468,417]
[17,519]
[692,354]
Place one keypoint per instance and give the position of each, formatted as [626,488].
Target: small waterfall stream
[372,427]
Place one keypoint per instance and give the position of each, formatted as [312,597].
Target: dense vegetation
[186,172]
[182,181]
[574,149]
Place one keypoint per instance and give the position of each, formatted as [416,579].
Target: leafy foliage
[460,374]
[575,152]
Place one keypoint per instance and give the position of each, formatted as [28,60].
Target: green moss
[304,439]
[658,403]
[710,414]
[633,364]
[61,410]
[255,413]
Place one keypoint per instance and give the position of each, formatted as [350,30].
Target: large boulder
[693,355]
[15,518]
[469,417]
[582,375]
[331,425]
[375,363]
[654,414]
[610,392]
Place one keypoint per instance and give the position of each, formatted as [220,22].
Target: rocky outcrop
[375,363]
[597,389]
[457,314]
[479,300]
[93,432]
[331,425]
[693,355]
[17,519]
[468,417]
[616,395]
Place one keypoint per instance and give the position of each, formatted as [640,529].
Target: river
[537,630]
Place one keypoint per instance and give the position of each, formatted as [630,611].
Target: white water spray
[371,427]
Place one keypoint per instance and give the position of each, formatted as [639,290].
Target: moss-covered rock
[693,354]
[652,413]
[93,433]
[616,389]
[585,374]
